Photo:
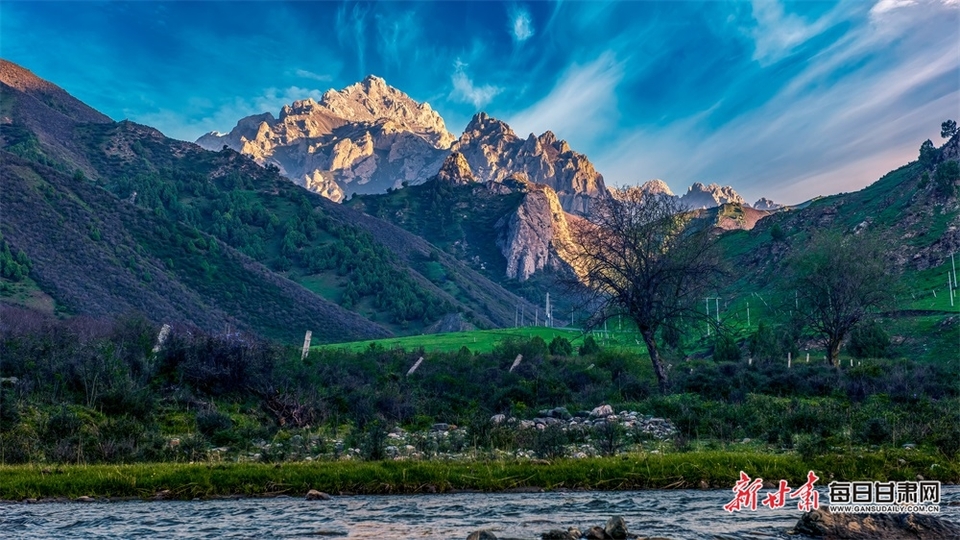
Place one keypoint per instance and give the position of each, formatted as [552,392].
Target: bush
[211,421]
[725,349]
[810,446]
[876,431]
[589,346]
[609,438]
[561,346]
[869,340]
[550,443]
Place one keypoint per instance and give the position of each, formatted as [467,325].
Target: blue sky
[783,100]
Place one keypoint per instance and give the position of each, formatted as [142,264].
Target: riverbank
[702,469]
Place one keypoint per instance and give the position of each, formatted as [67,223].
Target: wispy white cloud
[521,24]
[303,73]
[884,6]
[398,37]
[830,129]
[466,91]
[582,104]
[352,31]
[187,124]
[776,33]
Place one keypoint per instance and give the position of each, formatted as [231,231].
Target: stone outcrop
[496,153]
[698,196]
[656,187]
[766,204]
[824,524]
[536,235]
[456,170]
[701,196]
[365,138]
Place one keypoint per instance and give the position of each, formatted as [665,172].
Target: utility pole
[954,264]
[707,301]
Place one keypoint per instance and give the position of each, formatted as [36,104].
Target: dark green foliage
[869,340]
[590,346]
[948,129]
[561,346]
[776,233]
[946,177]
[550,442]
[103,393]
[9,408]
[725,348]
[609,438]
[877,431]
[928,153]
[13,267]
[211,422]
[770,343]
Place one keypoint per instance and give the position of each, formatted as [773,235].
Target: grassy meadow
[708,468]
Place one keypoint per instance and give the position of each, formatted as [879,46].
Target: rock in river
[823,524]
[314,495]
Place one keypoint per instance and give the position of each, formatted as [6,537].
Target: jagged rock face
[363,139]
[495,153]
[701,196]
[456,170]
[536,235]
[698,196]
[656,187]
[766,204]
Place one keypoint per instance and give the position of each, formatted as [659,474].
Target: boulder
[314,495]
[596,533]
[616,528]
[824,524]
[482,535]
[560,534]
[85,498]
[601,411]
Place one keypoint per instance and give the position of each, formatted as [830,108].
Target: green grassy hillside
[80,176]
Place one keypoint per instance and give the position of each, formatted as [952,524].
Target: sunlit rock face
[698,196]
[766,204]
[495,153]
[536,235]
[365,138]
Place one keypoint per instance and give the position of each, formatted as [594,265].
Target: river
[679,514]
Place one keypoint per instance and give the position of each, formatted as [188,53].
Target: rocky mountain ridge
[698,195]
[494,153]
[365,138]
[371,137]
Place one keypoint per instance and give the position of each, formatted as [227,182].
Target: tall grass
[717,469]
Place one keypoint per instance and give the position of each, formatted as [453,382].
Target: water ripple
[677,514]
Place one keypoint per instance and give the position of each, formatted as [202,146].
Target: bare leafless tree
[643,256]
[838,281]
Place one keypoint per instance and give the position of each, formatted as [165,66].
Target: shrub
[211,421]
[561,346]
[869,340]
[589,346]
[609,438]
[550,442]
[725,349]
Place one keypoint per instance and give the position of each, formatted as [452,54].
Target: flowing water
[679,514]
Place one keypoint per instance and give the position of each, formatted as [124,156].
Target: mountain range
[105,218]
[371,137]
[117,218]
